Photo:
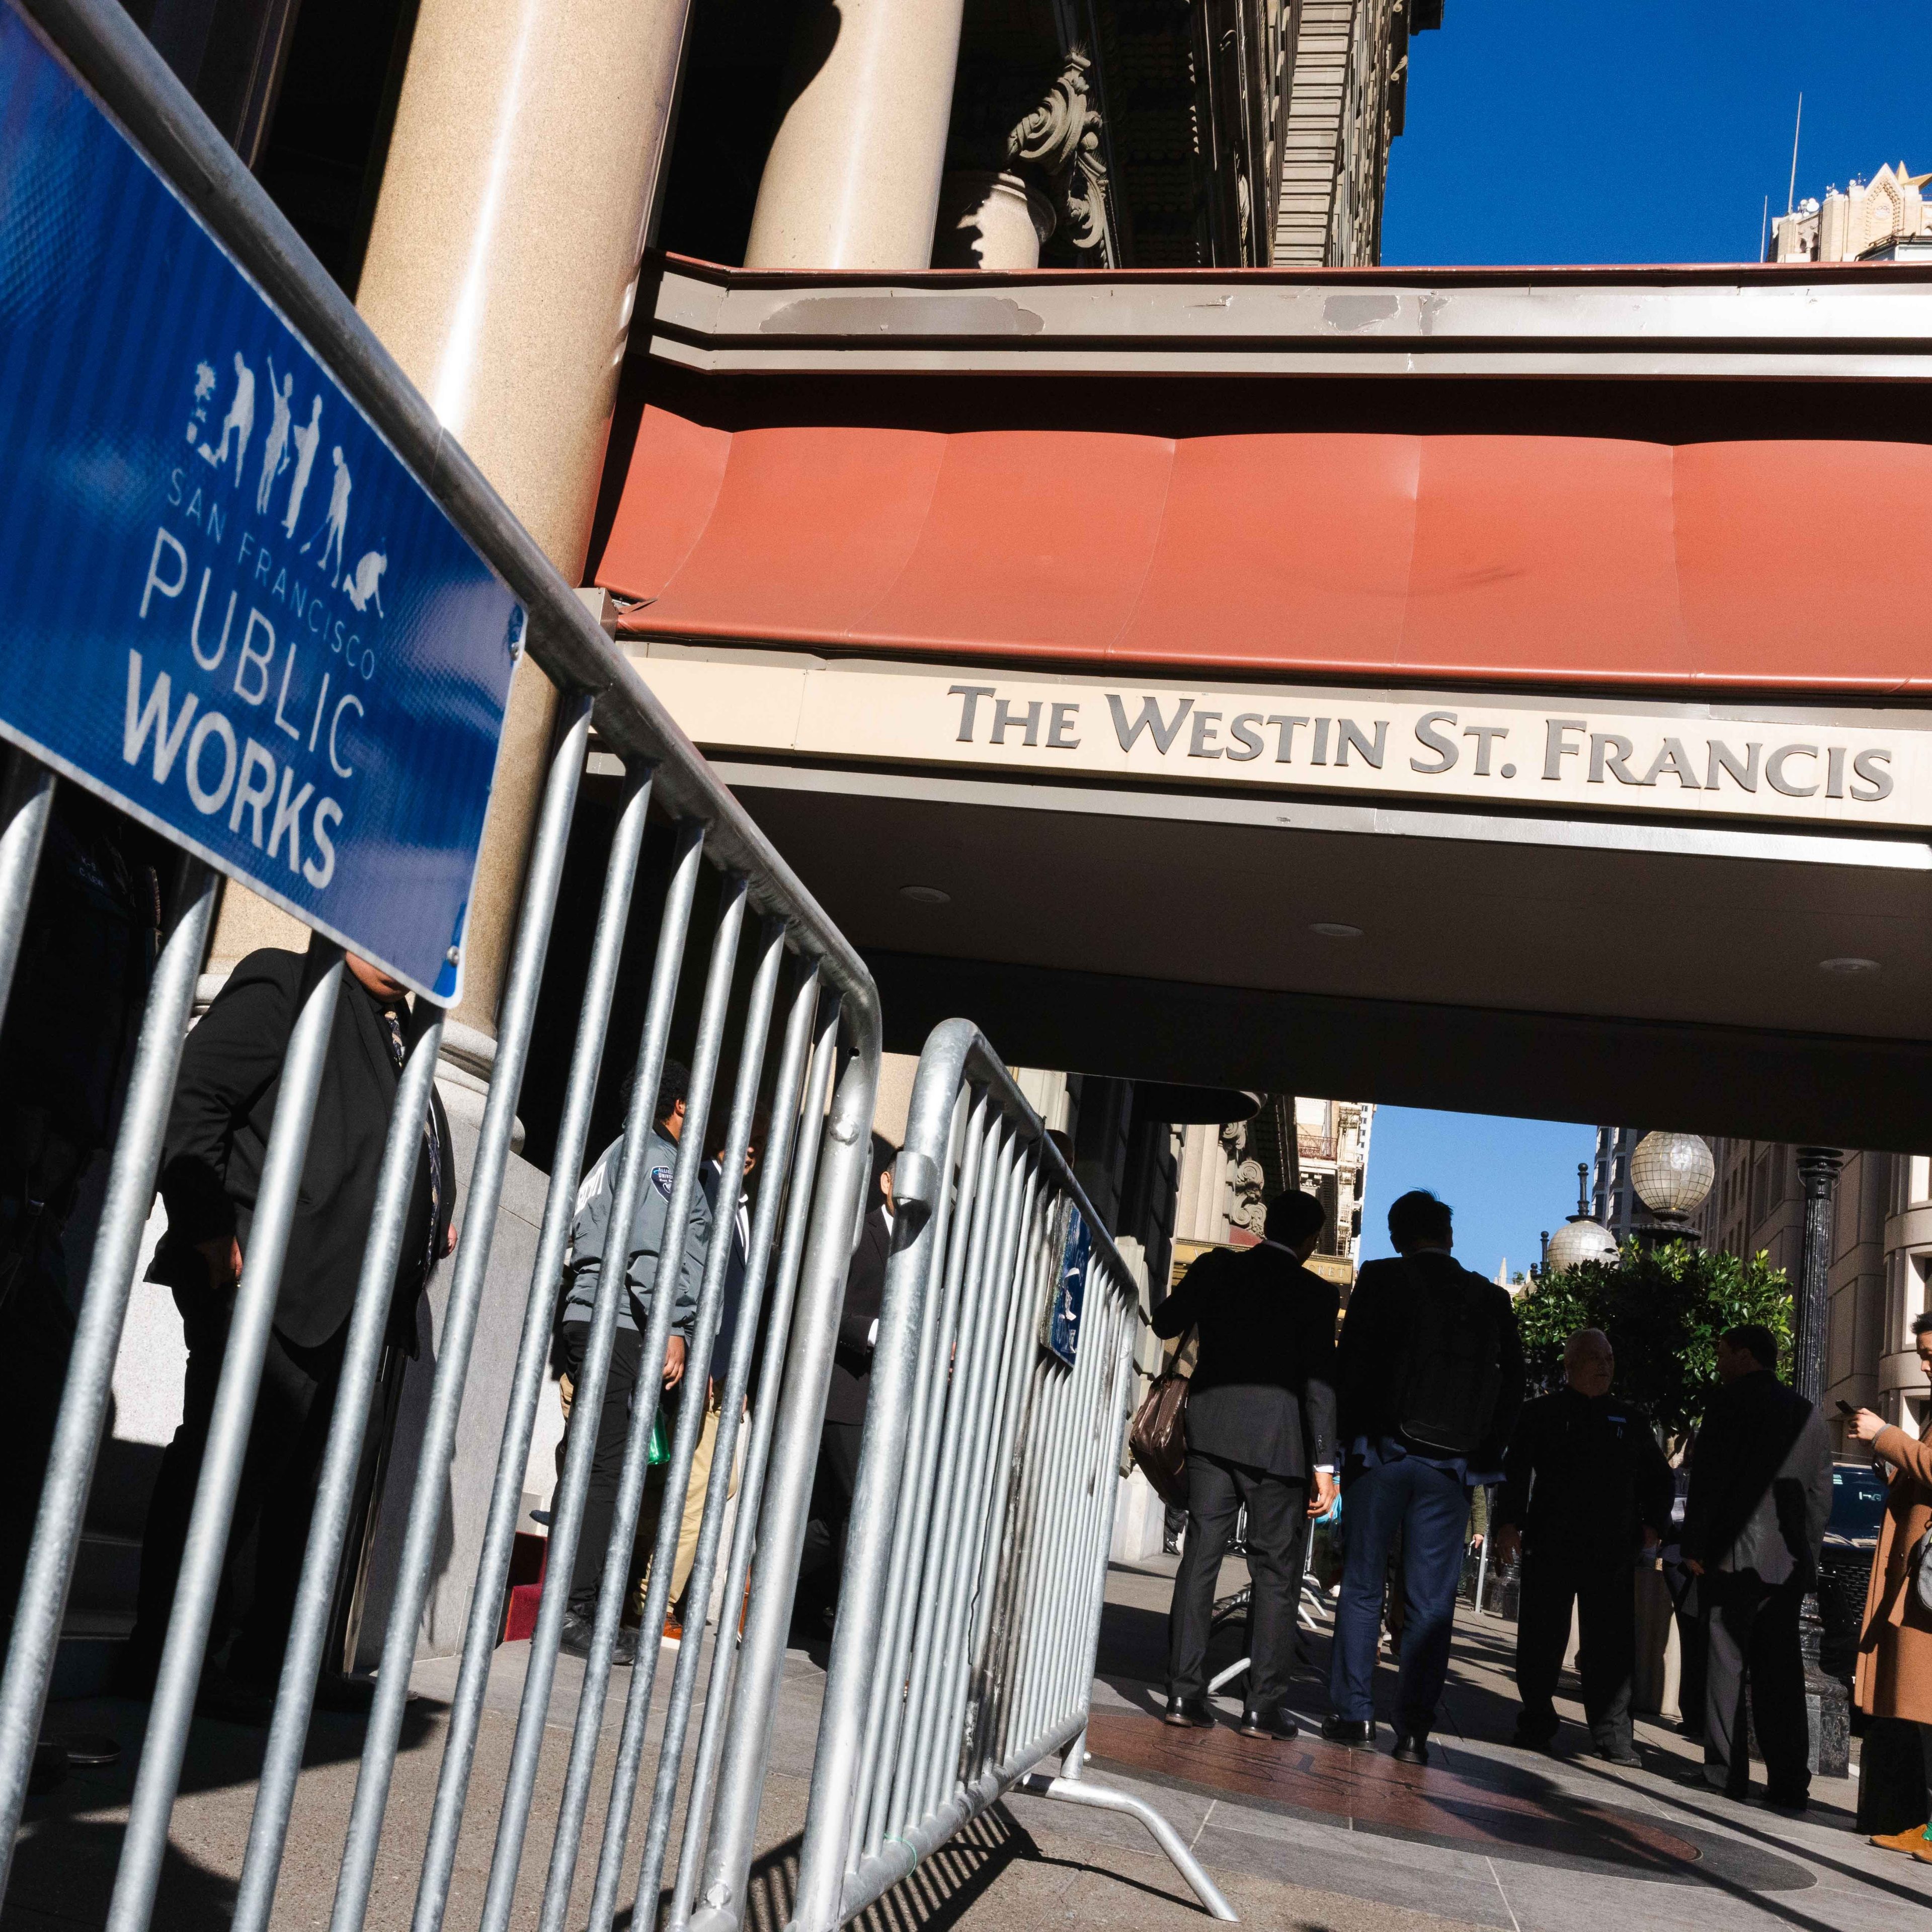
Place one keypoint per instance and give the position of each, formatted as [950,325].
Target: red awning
[1537,560]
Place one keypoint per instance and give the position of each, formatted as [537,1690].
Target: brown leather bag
[1159,1438]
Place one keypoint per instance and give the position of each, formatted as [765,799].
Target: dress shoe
[1535,1737]
[1913,1839]
[1190,1713]
[578,1631]
[1358,1733]
[1620,1751]
[1411,1748]
[1267,1720]
[1792,1804]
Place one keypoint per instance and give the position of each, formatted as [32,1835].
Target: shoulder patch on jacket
[661,1180]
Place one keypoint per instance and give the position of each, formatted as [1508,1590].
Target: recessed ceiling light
[1848,967]
[925,895]
[1331,929]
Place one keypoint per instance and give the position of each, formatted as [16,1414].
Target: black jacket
[864,1296]
[1263,1387]
[224,1106]
[1583,1476]
[1751,1426]
[1373,1358]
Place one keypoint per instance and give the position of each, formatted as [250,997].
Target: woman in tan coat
[1894,1674]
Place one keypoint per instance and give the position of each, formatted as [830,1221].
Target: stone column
[990,219]
[1818,1174]
[501,273]
[852,180]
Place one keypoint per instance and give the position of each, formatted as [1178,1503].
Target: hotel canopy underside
[1616,527]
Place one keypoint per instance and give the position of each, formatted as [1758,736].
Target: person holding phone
[1895,1668]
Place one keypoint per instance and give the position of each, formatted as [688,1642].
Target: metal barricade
[806,985]
[976,1557]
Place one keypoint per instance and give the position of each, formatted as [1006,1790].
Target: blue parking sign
[230,607]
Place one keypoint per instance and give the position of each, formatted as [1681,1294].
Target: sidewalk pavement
[1301,1836]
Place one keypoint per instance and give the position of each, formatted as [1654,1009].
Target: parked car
[1844,1564]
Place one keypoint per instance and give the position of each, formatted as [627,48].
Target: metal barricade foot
[1222,1679]
[1104,1797]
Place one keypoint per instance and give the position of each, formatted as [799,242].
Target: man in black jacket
[1261,1426]
[1430,1375]
[1585,1485]
[1760,1495]
[66,1051]
[218,1137]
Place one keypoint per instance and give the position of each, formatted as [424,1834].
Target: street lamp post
[1818,1174]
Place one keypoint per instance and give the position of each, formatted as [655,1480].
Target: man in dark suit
[224,1108]
[1430,1381]
[1585,1486]
[1261,1422]
[845,1400]
[1754,1523]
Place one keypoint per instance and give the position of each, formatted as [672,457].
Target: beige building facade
[488,191]
[1345,99]
[489,180]
[1881,1258]
[1227,1175]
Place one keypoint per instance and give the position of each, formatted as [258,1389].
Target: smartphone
[1845,1407]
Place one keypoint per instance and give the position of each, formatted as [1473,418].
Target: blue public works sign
[229,606]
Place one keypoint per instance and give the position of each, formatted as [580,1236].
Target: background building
[1881,1256]
[1345,88]
[1613,1201]
[1881,1250]
[1226,1176]
[1873,220]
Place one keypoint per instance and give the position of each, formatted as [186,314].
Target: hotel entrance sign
[232,609]
[1729,758]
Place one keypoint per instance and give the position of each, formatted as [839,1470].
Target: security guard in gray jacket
[1585,1486]
[590,1233]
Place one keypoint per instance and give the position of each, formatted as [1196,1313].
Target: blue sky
[1507,1180]
[1644,130]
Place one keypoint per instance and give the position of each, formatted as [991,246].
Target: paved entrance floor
[1301,1836]
[1487,1835]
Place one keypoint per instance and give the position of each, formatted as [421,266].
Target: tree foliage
[1663,1310]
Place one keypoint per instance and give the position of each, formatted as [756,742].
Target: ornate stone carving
[1054,144]
[1061,139]
[1247,1178]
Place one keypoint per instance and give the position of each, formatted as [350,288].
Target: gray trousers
[1754,1642]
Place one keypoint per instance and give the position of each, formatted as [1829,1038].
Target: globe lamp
[1578,1241]
[1672,1173]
